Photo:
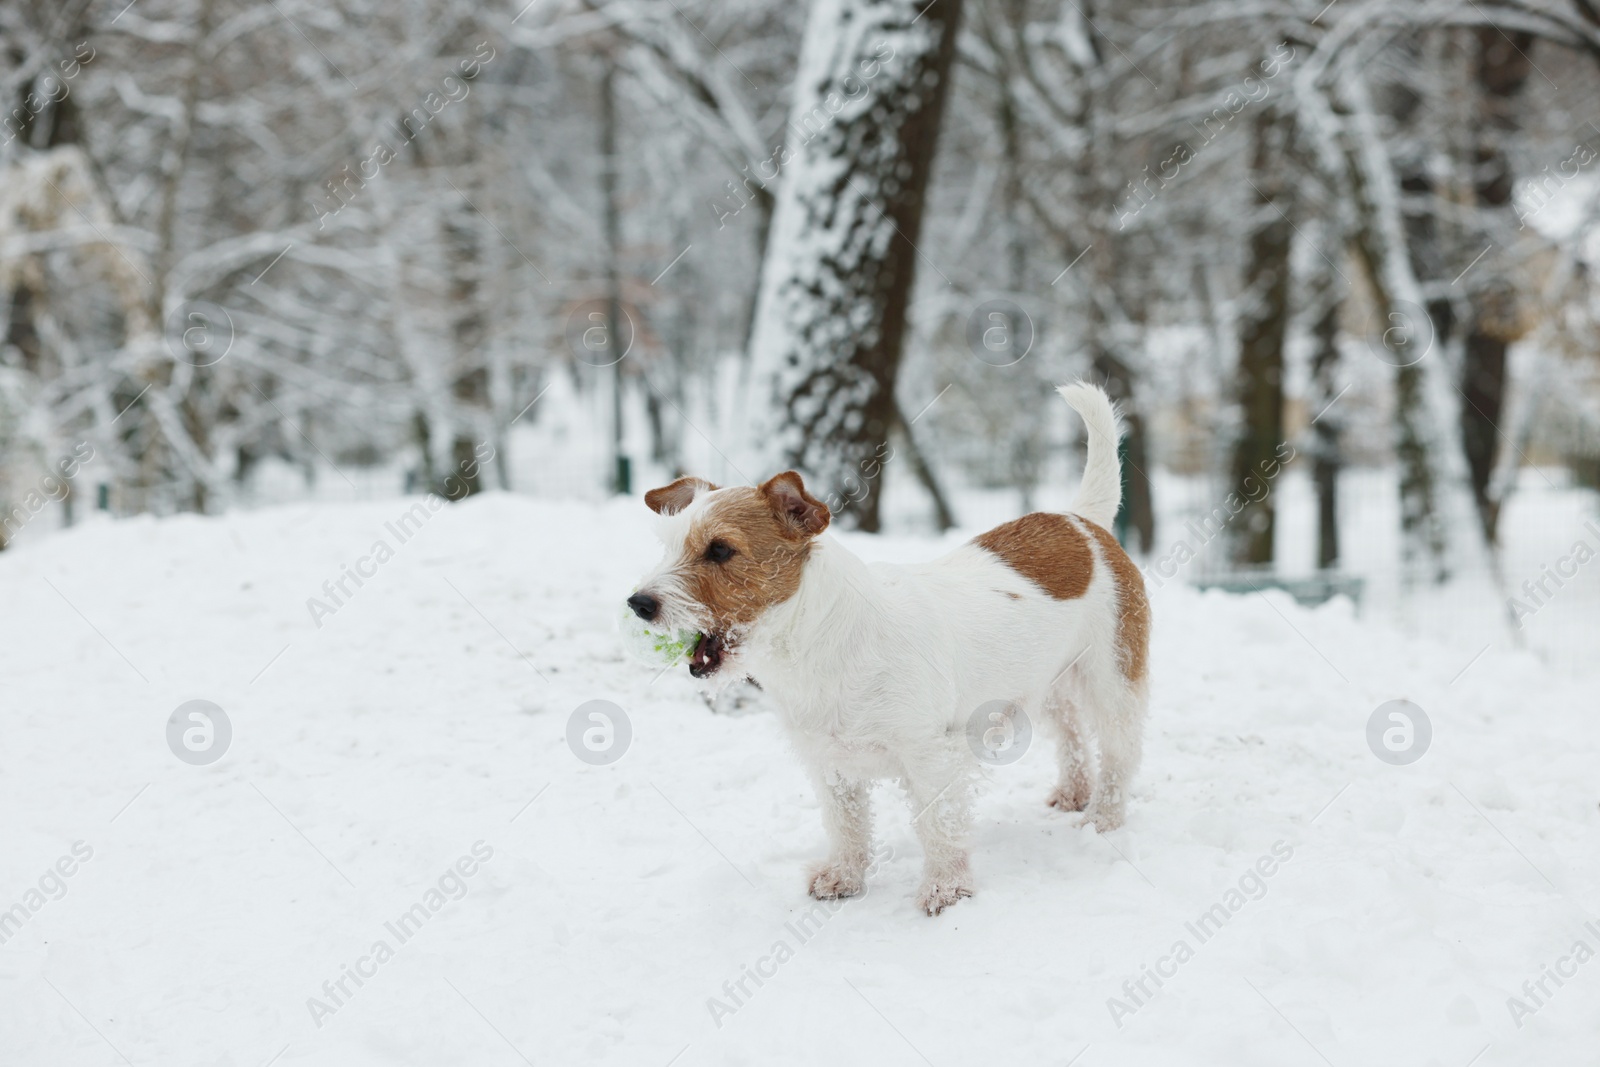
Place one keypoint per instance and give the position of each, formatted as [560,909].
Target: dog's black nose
[644,605]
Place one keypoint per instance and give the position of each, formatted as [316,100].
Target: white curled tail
[1100,495]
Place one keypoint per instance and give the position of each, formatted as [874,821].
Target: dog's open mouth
[707,655]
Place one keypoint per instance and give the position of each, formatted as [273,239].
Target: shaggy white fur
[878,669]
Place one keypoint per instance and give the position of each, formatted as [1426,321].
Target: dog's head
[731,554]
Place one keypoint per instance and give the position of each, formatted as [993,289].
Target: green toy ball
[657,648]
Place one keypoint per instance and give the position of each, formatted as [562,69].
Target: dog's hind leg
[847,817]
[1116,708]
[1076,784]
[941,802]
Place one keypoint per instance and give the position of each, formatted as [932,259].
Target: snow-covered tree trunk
[470,374]
[1325,446]
[1503,69]
[842,255]
[1428,458]
[1264,322]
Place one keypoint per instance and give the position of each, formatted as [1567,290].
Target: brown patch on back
[1133,607]
[766,565]
[1046,549]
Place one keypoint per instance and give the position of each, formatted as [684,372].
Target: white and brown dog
[877,668]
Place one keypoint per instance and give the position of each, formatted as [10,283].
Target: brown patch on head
[805,514]
[1133,607]
[1046,549]
[671,499]
[745,551]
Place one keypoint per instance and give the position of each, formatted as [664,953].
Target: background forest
[257,252]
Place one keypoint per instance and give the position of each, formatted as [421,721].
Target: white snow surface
[430,711]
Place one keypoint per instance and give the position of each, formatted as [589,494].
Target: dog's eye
[719,552]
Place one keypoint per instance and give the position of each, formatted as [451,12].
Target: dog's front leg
[847,817]
[942,815]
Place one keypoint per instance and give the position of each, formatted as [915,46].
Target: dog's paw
[830,881]
[938,894]
[1069,798]
[1104,820]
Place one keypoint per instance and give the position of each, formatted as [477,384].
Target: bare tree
[843,252]
[1262,333]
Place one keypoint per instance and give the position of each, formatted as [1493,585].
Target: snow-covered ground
[610,913]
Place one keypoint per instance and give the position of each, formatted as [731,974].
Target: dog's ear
[799,510]
[671,499]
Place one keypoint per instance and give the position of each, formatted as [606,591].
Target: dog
[878,670]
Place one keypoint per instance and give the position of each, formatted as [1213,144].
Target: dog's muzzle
[645,606]
[706,658]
